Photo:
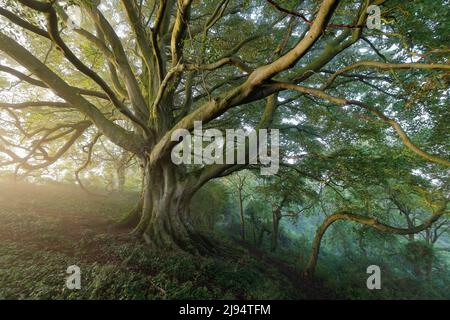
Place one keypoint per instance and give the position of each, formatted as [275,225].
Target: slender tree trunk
[254,226]
[261,237]
[276,217]
[241,213]
[254,234]
[121,178]
[120,165]
[275,227]
[410,224]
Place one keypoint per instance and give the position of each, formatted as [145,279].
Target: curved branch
[155,34]
[86,164]
[387,66]
[393,123]
[23,77]
[52,23]
[372,222]
[179,30]
[49,160]
[142,37]
[114,132]
[234,61]
[23,23]
[122,62]
[33,104]
[324,14]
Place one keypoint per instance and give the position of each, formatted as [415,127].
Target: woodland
[92,92]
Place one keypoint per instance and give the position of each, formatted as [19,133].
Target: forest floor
[45,229]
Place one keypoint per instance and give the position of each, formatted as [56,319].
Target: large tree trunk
[164,220]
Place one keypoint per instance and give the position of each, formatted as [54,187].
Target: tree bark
[241,214]
[162,216]
[276,217]
[410,225]
[121,178]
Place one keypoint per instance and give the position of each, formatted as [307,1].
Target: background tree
[240,184]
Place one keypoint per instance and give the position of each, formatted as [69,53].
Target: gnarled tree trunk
[162,215]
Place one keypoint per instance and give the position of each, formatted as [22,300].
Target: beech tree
[134,71]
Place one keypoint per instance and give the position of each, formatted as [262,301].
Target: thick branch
[115,133]
[33,104]
[324,14]
[39,83]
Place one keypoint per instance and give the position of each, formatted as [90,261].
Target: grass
[45,229]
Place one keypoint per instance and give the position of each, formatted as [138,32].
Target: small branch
[86,164]
[386,66]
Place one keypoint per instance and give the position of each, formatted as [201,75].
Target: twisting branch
[334,47]
[122,62]
[217,14]
[23,77]
[52,24]
[386,66]
[290,12]
[142,37]
[90,149]
[321,20]
[78,130]
[393,123]
[155,35]
[368,221]
[251,89]
[115,133]
[179,30]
